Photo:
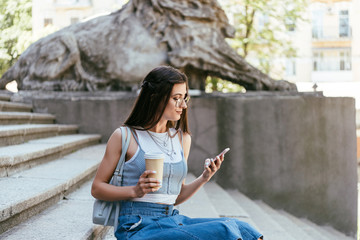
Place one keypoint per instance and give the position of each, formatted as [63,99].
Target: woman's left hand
[211,166]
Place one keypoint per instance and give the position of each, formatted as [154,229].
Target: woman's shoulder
[180,132]
[117,134]
[187,137]
[121,129]
[186,144]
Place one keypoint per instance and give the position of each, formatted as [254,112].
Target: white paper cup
[155,162]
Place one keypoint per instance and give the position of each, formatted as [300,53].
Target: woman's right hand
[146,185]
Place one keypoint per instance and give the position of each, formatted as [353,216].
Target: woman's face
[176,103]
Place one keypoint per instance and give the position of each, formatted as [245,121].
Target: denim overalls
[146,221]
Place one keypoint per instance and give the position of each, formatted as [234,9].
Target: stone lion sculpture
[116,51]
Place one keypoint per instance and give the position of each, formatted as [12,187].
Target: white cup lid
[154,155]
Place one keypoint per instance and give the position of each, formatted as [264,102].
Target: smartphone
[223,152]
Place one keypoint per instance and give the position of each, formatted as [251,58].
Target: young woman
[159,121]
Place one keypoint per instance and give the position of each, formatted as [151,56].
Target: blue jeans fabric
[150,221]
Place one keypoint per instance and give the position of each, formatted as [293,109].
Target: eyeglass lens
[179,101]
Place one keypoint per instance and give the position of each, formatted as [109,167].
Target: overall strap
[125,140]
[135,136]
[182,138]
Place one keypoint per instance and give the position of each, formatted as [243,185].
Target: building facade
[61,13]
[328,45]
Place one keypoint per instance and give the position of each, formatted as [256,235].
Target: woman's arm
[188,190]
[101,189]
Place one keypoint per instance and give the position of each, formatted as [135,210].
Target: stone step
[109,235]
[9,118]
[70,218]
[23,156]
[297,228]
[318,232]
[28,193]
[286,222]
[198,205]
[16,134]
[5,97]
[271,229]
[225,205]
[6,106]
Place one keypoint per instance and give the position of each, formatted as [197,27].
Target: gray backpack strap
[125,141]
[116,219]
[125,138]
[123,154]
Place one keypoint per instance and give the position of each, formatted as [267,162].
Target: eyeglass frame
[179,101]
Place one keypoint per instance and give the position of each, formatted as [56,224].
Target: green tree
[15,30]
[214,84]
[263,30]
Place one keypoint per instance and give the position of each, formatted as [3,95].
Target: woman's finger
[148,180]
[146,173]
[154,185]
[218,161]
[207,162]
[213,164]
[148,185]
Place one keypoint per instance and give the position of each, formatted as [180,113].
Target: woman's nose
[183,104]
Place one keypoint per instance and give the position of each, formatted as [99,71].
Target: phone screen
[225,151]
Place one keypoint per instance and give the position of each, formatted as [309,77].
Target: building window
[317,24]
[290,67]
[318,59]
[345,61]
[290,24]
[332,60]
[48,21]
[67,1]
[344,28]
[263,21]
[74,20]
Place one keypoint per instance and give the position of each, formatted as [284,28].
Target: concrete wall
[100,112]
[296,153]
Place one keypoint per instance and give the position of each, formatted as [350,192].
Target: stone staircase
[46,171]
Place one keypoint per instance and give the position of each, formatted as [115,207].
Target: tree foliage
[263,30]
[214,84]
[15,30]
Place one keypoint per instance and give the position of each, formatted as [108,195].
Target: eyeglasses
[179,101]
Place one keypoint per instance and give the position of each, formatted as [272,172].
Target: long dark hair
[153,98]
